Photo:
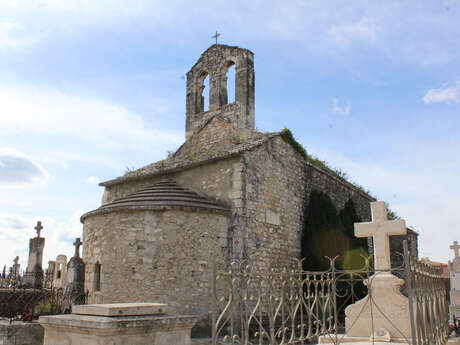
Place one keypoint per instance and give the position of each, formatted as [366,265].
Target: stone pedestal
[118,324]
[20,333]
[382,316]
[385,310]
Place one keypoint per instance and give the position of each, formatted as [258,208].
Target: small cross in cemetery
[77,245]
[380,229]
[455,247]
[39,228]
[216,36]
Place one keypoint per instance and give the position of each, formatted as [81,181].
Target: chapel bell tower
[215,63]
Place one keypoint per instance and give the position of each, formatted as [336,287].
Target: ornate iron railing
[294,306]
[428,302]
[28,304]
[290,306]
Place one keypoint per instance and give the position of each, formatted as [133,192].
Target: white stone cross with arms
[380,229]
[455,247]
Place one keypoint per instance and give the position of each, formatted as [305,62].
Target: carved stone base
[383,314]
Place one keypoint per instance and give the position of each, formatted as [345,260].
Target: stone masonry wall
[272,212]
[155,256]
[277,185]
[338,190]
[213,180]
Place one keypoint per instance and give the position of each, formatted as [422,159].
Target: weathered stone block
[20,333]
[117,330]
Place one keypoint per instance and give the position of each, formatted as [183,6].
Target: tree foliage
[329,233]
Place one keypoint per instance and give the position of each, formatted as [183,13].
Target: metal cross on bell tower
[216,35]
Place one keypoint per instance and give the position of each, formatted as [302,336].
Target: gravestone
[454,268]
[75,288]
[15,269]
[49,274]
[60,272]
[383,315]
[34,272]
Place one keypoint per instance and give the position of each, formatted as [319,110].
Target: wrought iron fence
[28,304]
[289,306]
[294,306]
[428,303]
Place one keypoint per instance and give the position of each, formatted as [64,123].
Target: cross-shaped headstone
[39,228]
[77,245]
[380,229]
[455,247]
[216,36]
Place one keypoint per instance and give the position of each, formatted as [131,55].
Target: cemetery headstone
[60,272]
[454,268]
[75,288]
[384,313]
[34,272]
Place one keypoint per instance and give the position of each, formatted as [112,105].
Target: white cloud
[41,110]
[13,35]
[18,169]
[346,32]
[443,95]
[341,110]
[93,180]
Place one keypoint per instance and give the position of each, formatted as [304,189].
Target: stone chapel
[229,192]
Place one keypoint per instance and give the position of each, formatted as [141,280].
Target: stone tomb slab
[121,309]
[116,327]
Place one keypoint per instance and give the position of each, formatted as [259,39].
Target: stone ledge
[113,322]
[121,309]
[357,340]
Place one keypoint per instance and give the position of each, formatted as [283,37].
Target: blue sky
[91,88]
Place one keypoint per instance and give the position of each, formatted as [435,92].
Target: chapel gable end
[214,64]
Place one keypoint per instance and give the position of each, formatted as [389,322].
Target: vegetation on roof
[288,137]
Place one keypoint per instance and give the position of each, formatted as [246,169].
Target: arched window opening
[231,82]
[59,270]
[97,277]
[203,91]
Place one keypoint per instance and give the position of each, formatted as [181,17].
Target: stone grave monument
[15,269]
[75,288]
[49,273]
[60,272]
[454,268]
[383,315]
[118,324]
[34,272]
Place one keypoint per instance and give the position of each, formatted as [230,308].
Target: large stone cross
[39,228]
[380,229]
[455,247]
[77,245]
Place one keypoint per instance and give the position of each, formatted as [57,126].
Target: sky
[89,89]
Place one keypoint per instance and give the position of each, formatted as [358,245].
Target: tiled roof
[164,193]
